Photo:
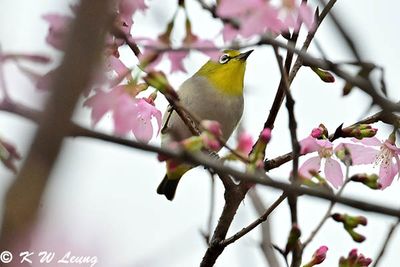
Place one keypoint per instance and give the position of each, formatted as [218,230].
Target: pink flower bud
[320,255]
[211,142]
[265,135]
[213,127]
[317,132]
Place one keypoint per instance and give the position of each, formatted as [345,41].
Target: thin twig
[327,214]
[261,178]
[292,199]
[212,205]
[266,239]
[389,236]
[254,224]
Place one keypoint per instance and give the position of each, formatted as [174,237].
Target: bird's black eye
[224,58]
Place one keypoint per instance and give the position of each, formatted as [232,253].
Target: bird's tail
[167,187]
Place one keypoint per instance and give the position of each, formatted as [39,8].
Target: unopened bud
[266,135]
[213,127]
[350,223]
[320,132]
[325,76]
[359,238]
[317,133]
[359,131]
[354,260]
[318,256]
[210,142]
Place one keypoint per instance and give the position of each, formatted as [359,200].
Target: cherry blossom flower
[372,150]
[255,17]
[126,10]
[129,114]
[332,169]
[58,28]
[151,57]
[295,13]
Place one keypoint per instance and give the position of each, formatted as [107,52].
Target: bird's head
[226,74]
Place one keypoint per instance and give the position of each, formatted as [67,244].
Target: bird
[214,92]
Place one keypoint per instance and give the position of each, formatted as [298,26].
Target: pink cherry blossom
[294,13]
[126,10]
[254,17]
[332,169]
[371,150]
[151,58]
[58,27]
[264,18]
[129,114]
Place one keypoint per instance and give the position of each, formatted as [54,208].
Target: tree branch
[82,55]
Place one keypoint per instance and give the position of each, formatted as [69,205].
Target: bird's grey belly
[206,104]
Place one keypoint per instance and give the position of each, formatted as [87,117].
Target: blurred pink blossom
[294,14]
[129,114]
[256,17]
[126,9]
[332,168]
[58,28]
[245,143]
[151,57]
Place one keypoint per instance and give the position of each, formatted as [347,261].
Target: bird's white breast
[200,98]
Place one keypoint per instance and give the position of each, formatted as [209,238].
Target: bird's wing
[167,116]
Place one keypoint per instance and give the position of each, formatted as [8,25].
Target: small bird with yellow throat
[214,92]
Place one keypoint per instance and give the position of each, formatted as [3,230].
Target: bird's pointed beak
[245,55]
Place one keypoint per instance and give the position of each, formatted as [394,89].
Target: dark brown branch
[233,198]
[259,177]
[83,50]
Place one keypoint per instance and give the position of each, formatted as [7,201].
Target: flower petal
[308,145]
[360,154]
[333,172]
[176,59]
[387,173]
[372,141]
[311,164]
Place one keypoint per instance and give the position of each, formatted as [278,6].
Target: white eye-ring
[224,58]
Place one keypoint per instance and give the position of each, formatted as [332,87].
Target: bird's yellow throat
[226,77]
